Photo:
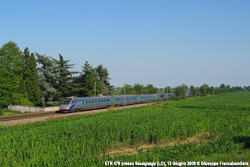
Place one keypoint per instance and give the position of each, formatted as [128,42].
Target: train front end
[65,105]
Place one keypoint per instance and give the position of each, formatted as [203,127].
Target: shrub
[3,104]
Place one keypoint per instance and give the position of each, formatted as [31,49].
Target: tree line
[183,91]
[139,89]
[34,79]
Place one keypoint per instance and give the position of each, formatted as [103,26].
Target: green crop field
[220,123]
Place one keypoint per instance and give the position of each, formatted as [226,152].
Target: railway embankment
[44,116]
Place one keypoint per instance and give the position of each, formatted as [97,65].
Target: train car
[71,104]
[85,103]
[162,97]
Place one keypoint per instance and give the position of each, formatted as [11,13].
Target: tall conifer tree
[32,80]
[64,84]
[11,76]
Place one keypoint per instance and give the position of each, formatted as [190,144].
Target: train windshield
[66,100]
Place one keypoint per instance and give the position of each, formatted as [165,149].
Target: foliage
[88,85]
[47,79]
[139,89]
[64,83]
[150,89]
[3,104]
[204,89]
[128,89]
[85,81]
[12,86]
[104,78]
[180,91]
[32,81]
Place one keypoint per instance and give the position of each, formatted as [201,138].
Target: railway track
[56,115]
[26,116]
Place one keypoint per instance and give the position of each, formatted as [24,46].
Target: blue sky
[160,42]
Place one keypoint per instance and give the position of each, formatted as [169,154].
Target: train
[73,104]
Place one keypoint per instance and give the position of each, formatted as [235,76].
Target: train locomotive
[72,104]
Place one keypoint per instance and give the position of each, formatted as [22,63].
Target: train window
[66,101]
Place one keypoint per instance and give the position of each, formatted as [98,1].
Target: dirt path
[146,146]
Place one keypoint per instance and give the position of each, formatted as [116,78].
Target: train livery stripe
[111,98]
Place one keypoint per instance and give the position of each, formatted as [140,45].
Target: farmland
[221,124]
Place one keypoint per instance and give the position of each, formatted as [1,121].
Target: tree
[99,75]
[84,83]
[168,89]
[32,81]
[204,89]
[192,90]
[104,77]
[11,58]
[64,84]
[87,69]
[128,89]
[11,76]
[22,88]
[222,87]
[138,88]
[47,79]
[88,85]
[227,88]
[150,89]
[211,90]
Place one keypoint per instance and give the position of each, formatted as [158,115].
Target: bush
[3,104]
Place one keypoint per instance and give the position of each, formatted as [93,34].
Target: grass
[5,112]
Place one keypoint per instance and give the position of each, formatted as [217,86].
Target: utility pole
[167,92]
[95,83]
[147,89]
[124,94]
[95,88]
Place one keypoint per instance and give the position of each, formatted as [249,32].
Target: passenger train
[72,104]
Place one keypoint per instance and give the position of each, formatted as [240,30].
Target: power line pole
[167,92]
[147,89]
[95,88]
[95,83]
[124,95]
